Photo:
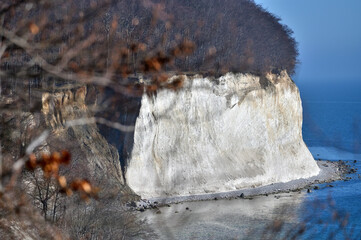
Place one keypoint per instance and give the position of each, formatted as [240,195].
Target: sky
[329,36]
[329,76]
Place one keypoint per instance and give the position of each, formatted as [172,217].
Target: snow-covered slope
[216,135]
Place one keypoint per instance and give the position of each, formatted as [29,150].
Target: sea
[332,131]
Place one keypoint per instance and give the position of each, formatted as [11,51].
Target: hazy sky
[328,33]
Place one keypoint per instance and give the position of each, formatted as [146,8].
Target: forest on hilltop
[229,35]
[222,35]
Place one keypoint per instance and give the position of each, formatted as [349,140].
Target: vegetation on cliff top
[142,36]
[229,35]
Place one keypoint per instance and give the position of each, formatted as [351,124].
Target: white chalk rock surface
[215,135]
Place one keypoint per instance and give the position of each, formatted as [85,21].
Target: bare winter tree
[46,46]
[66,66]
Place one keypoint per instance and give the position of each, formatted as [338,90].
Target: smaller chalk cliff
[216,135]
[91,153]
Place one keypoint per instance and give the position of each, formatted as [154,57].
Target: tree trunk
[1,158]
[55,206]
[1,25]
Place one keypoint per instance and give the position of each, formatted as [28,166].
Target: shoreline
[330,171]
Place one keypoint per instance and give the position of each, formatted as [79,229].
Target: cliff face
[217,135]
[91,152]
[55,109]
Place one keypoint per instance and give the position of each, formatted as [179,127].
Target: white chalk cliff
[216,135]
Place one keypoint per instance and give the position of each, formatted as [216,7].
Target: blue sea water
[332,115]
[332,131]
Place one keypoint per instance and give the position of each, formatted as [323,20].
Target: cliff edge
[219,134]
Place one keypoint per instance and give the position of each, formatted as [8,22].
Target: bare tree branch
[93,120]
[37,142]
[1,169]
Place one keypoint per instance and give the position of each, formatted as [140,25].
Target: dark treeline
[229,35]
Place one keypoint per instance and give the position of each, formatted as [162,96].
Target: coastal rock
[67,115]
[219,134]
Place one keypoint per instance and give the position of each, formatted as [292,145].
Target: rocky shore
[330,171]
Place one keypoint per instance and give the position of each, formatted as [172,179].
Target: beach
[329,171]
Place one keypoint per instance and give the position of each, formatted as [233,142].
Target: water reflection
[226,219]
